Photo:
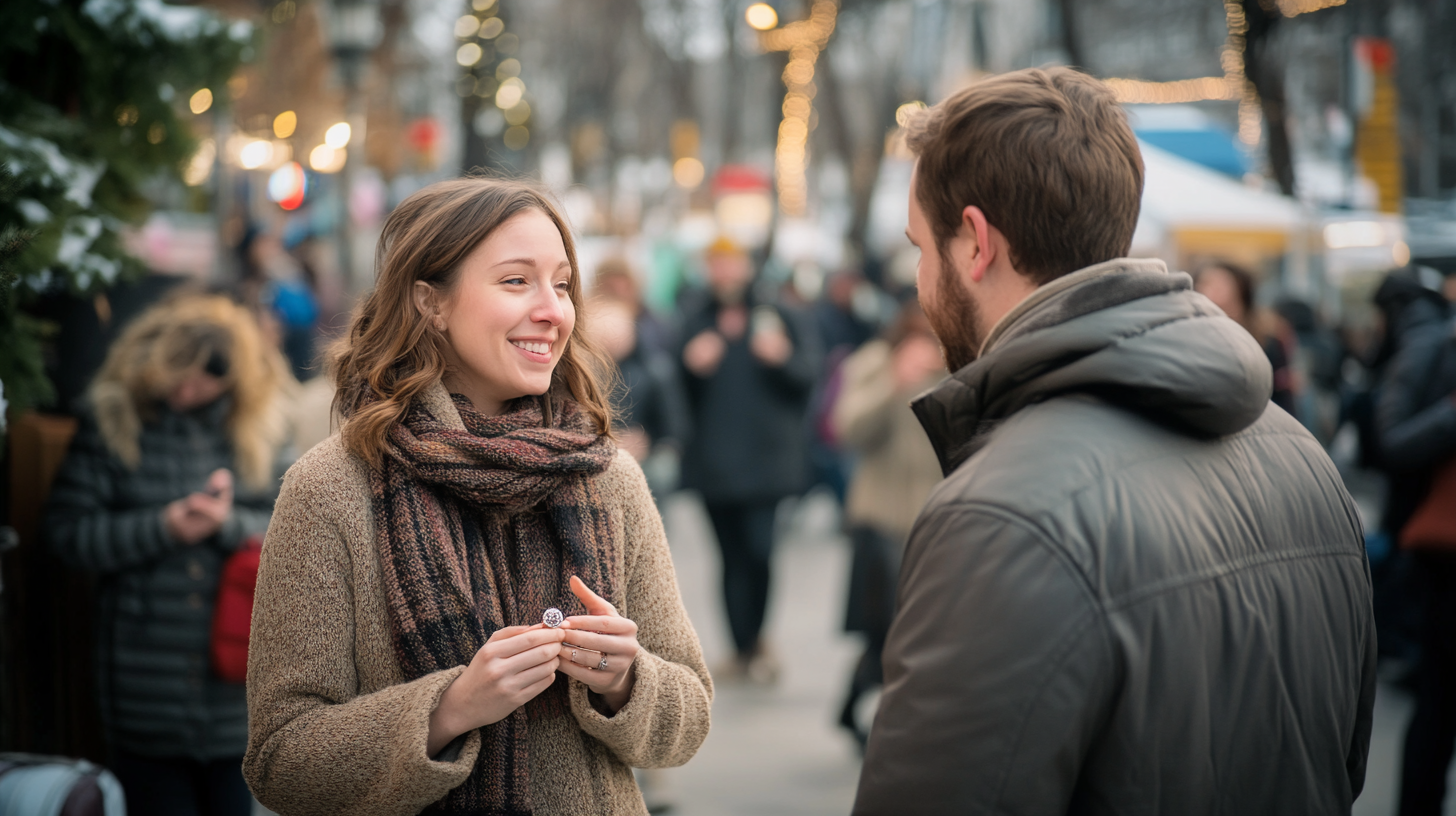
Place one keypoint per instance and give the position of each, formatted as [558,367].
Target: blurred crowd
[753,389]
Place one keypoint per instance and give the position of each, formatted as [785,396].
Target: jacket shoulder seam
[1156,588]
[1045,539]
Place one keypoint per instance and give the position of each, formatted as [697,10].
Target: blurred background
[1300,152]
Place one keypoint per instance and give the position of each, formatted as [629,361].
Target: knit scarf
[482,528]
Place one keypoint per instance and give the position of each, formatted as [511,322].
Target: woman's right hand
[515,665]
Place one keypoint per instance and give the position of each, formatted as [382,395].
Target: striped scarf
[479,529]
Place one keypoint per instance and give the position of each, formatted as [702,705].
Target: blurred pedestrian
[616,281]
[648,400]
[1416,417]
[466,602]
[1140,589]
[842,329]
[895,473]
[749,367]
[1410,304]
[174,466]
[1231,288]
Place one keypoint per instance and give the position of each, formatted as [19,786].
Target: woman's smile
[535,350]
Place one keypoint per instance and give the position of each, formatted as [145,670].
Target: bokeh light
[338,135]
[284,124]
[469,54]
[688,172]
[200,101]
[288,185]
[761,16]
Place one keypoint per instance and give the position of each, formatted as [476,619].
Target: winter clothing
[158,696]
[1140,589]
[895,473]
[477,486]
[1416,422]
[897,468]
[745,532]
[182,787]
[1415,416]
[650,396]
[1431,735]
[748,441]
[749,449]
[339,727]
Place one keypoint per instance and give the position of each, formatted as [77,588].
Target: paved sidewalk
[772,751]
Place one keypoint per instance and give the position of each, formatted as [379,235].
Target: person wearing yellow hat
[749,366]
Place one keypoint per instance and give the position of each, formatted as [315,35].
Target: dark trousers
[1431,736]
[746,537]
[182,787]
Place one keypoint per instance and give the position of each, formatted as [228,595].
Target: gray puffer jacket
[1141,589]
[158,694]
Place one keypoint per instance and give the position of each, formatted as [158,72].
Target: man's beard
[955,316]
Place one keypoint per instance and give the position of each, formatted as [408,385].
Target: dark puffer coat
[158,694]
[1141,589]
[749,441]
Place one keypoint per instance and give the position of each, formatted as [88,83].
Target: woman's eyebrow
[509,261]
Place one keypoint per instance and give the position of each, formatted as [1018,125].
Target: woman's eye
[515,280]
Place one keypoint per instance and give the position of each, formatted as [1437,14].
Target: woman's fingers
[510,645]
[607,644]
[614,625]
[594,603]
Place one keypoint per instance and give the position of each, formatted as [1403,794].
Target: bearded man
[1141,587]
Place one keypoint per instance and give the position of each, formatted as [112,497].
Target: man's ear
[973,224]
[427,301]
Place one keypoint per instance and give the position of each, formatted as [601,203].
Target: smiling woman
[399,661]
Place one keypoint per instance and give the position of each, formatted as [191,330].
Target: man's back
[1142,589]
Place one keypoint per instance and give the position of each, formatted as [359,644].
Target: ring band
[577,649]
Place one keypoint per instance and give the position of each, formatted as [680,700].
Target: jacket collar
[959,413]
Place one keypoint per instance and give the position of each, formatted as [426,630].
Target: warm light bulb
[200,101]
[338,135]
[284,124]
[761,16]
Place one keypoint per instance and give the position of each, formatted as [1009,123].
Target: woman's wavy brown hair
[173,339]
[390,356]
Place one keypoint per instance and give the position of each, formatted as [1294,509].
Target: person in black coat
[175,465]
[1416,420]
[749,367]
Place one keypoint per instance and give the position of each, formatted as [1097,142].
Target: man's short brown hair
[1046,154]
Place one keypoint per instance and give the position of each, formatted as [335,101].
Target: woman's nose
[549,307]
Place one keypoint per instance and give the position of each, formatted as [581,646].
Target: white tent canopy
[1180,194]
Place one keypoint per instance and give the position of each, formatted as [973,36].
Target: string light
[804,40]
[1294,8]
[1233,85]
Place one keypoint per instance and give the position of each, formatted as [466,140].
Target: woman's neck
[479,397]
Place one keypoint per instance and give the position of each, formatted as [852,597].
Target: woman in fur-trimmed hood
[175,464]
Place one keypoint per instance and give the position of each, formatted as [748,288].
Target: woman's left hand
[606,648]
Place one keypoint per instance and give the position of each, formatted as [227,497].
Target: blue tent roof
[1210,147]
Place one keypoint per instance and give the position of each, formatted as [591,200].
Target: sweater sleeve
[315,745]
[82,526]
[667,717]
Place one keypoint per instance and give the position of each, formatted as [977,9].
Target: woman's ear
[427,301]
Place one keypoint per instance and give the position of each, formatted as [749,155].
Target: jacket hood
[1125,331]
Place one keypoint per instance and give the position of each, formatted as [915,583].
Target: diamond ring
[552,617]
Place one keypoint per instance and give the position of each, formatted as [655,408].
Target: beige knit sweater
[334,727]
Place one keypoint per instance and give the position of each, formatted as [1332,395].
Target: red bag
[232,616]
[1433,527]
